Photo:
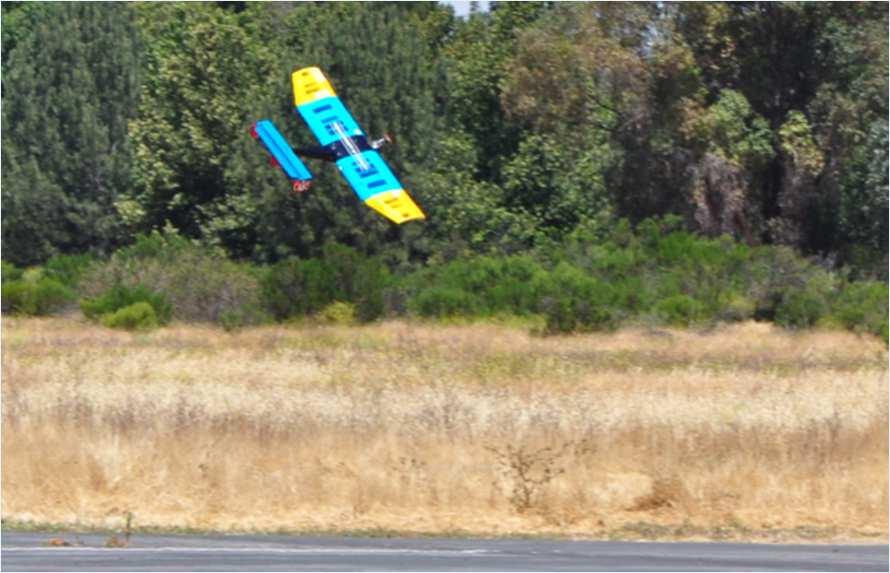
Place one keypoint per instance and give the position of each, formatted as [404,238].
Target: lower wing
[376,185]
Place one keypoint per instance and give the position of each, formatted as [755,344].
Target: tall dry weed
[474,428]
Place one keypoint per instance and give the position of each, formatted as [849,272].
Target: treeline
[654,275]
[515,129]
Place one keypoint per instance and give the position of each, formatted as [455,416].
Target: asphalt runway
[31,552]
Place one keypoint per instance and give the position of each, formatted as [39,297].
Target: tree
[70,83]
[476,61]
[575,83]
[817,73]
[206,81]
[467,215]
[730,145]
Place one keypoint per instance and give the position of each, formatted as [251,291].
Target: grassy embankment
[747,431]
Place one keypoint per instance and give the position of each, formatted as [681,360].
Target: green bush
[632,295]
[237,317]
[680,310]
[296,287]
[771,273]
[481,286]
[443,301]
[338,312]
[572,300]
[121,296]
[593,280]
[36,298]
[16,296]
[863,307]
[68,269]
[801,308]
[374,279]
[735,307]
[158,245]
[10,272]
[199,283]
[137,316]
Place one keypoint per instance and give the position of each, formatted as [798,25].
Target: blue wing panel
[275,144]
[370,181]
[321,114]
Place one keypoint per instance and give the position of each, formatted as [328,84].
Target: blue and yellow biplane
[341,141]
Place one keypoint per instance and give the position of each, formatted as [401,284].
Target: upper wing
[320,107]
[274,142]
[365,170]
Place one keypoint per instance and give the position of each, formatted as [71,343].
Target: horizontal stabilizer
[281,152]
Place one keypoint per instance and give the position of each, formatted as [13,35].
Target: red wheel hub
[301,186]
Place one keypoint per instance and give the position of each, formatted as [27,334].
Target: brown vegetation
[743,431]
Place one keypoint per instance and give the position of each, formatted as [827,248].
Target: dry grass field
[746,431]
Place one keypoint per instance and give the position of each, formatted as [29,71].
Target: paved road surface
[29,552]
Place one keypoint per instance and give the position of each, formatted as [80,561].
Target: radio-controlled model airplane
[341,141]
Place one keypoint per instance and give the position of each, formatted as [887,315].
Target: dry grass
[481,429]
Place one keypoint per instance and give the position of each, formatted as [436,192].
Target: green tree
[817,73]
[476,61]
[576,83]
[849,116]
[467,215]
[70,83]
[206,81]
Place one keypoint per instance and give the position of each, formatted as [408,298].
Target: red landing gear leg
[301,186]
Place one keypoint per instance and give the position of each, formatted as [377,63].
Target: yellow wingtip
[310,84]
[395,205]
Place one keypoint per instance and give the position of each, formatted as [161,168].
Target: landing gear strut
[301,186]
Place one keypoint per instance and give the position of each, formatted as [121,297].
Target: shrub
[443,301]
[199,283]
[772,272]
[167,244]
[863,307]
[15,296]
[373,278]
[515,288]
[735,307]
[801,308]
[240,316]
[680,310]
[573,300]
[338,312]
[37,298]
[631,295]
[68,269]
[10,272]
[121,296]
[296,287]
[480,286]
[137,316]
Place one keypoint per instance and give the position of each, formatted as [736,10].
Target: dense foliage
[538,137]
[654,275]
